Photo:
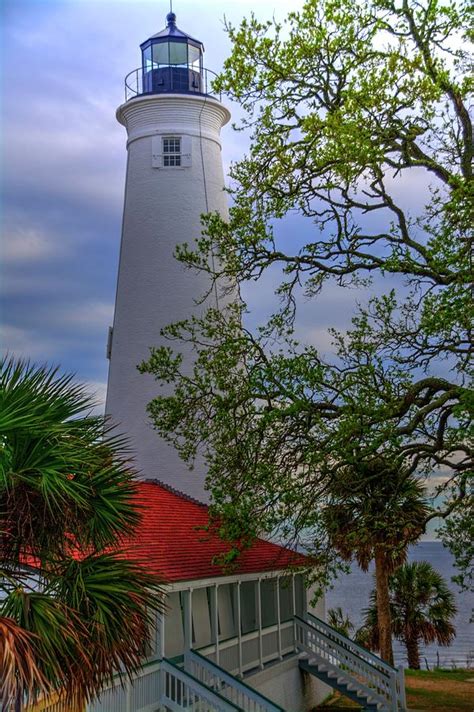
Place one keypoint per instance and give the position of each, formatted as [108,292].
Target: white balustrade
[180,691]
[160,683]
[234,690]
[125,695]
[205,686]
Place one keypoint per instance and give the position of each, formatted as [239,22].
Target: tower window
[171,152]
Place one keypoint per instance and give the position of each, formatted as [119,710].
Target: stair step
[342,681]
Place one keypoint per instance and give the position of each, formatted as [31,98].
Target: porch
[194,682]
[240,623]
[215,639]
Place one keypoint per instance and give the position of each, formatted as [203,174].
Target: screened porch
[240,623]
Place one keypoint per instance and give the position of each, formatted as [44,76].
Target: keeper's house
[240,622]
[245,640]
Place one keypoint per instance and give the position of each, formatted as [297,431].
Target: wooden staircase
[347,667]
[341,683]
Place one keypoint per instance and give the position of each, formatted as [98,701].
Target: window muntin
[172,152]
[171,53]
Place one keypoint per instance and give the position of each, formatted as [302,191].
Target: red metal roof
[171,544]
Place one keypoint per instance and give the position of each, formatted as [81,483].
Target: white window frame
[172,151]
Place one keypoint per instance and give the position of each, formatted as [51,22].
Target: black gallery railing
[169,78]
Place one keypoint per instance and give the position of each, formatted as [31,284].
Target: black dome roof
[172,31]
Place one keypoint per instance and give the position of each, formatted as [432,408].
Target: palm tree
[373,512]
[422,608]
[73,608]
[339,621]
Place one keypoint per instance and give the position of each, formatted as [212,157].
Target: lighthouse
[174,175]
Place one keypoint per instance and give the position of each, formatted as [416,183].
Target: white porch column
[238,618]
[278,616]
[128,695]
[188,619]
[259,620]
[160,636]
[215,620]
[293,604]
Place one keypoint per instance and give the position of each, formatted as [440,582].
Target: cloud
[23,343]
[64,165]
[319,337]
[90,315]
[27,244]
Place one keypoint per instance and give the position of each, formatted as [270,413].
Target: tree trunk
[383,606]
[413,652]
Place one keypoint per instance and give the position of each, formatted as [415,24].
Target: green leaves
[344,101]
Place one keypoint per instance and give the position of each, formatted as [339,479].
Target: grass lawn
[434,691]
[440,690]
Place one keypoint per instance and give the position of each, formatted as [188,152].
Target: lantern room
[172,61]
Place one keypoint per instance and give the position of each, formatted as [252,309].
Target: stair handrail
[386,674]
[193,656]
[345,641]
[220,703]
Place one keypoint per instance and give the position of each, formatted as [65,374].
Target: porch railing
[241,654]
[234,690]
[181,691]
[141,694]
[347,660]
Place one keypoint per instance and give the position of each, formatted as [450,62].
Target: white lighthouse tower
[174,175]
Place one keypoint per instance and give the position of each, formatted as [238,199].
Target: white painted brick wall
[162,209]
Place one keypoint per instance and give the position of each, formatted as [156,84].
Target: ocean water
[352,591]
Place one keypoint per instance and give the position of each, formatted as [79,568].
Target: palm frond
[82,611]
[19,672]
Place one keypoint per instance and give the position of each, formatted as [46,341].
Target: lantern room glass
[172,65]
[171,53]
